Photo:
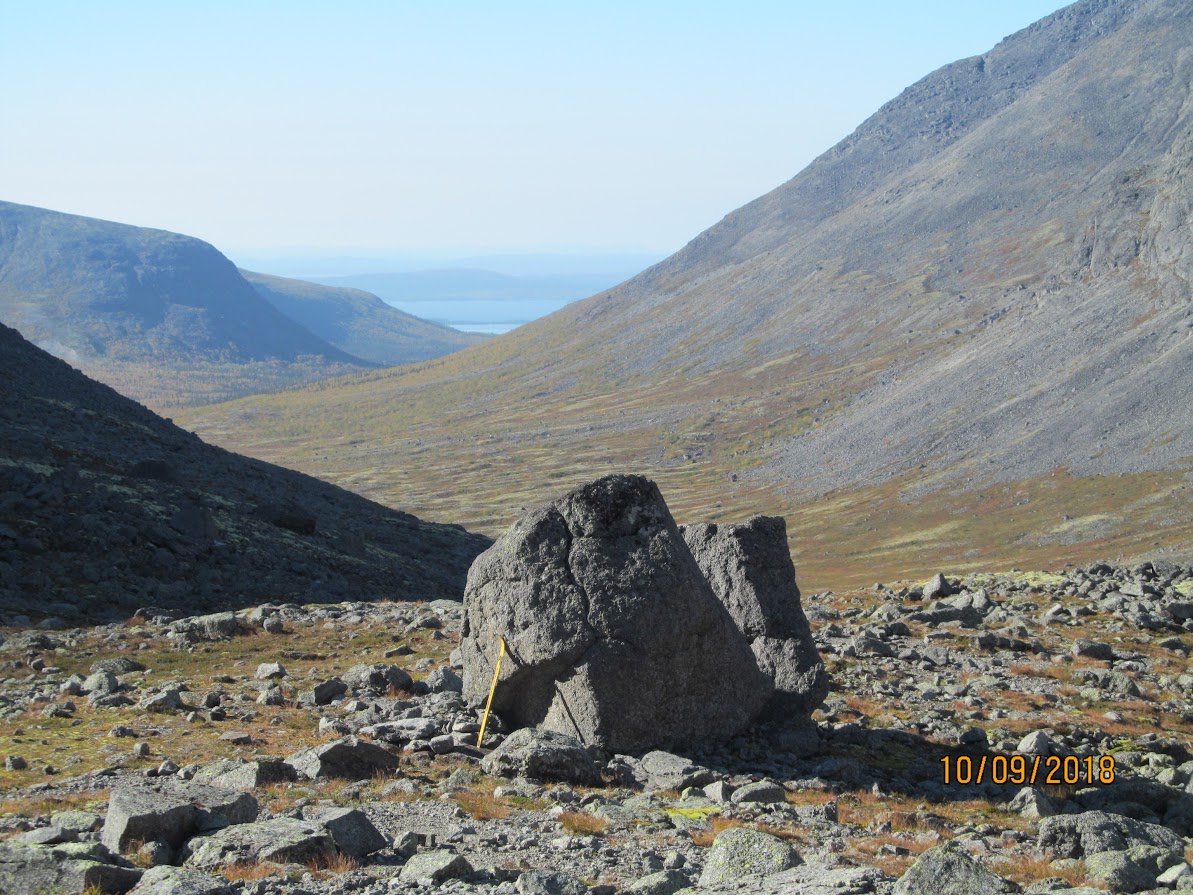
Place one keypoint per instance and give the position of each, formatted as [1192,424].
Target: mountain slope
[961,336]
[163,317]
[358,322]
[105,507]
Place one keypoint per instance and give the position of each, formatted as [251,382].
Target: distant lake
[479,300]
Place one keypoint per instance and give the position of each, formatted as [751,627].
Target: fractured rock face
[614,635]
[750,570]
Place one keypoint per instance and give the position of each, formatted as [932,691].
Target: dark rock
[329,690]
[938,588]
[287,515]
[750,570]
[154,470]
[614,635]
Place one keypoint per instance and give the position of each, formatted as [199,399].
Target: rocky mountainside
[961,334]
[168,320]
[359,322]
[106,507]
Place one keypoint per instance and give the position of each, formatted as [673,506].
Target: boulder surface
[750,570]
[614,635]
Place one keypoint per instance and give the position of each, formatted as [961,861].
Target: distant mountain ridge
[359,322]
[168,319]
[962,335]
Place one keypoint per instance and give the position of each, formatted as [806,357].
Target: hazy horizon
[460,129]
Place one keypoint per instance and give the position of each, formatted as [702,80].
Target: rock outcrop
[613,633]
[751,572]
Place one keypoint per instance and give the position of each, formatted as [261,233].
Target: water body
[480,293]
[479,300]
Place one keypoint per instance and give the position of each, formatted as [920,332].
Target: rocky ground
[325,749]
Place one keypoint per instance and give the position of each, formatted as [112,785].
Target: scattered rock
[349,758]
[740,852]
[281,840]
[948,870]
[434,867]
[543,755]
[352,831]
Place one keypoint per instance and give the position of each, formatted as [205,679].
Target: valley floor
[1082,675]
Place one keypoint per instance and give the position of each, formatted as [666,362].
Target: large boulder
[613,634]
[749,567]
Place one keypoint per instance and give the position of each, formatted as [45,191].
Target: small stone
[269,670]
[435,867]
[762,791]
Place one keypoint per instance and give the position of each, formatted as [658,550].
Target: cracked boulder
[749,568]
[614,635]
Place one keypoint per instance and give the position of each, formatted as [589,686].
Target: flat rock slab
[167,880]
[348,758]
[435,866]
[538,882]
[282,840]
[542,755]
[73,867]
[171,811]
[247,775]
[1093,832]
[808,879]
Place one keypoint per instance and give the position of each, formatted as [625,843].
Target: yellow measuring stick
[480,738]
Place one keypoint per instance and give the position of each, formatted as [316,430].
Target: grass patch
[582,823]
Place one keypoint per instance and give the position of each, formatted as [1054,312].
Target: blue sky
[450,127]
